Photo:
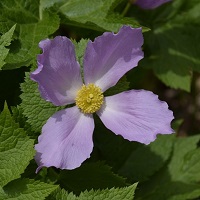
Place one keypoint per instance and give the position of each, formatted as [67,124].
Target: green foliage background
[168,168]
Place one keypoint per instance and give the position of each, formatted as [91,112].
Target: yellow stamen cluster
[89,98]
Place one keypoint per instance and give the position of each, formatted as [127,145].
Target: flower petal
[110,56]
[66,140]
[58,73]
[137,115]
[150,4]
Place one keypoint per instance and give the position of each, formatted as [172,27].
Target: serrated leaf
[17,114]
[180,178]
[23,189]
[32,27]
[125,193]
[62,194]
[16,148]
[111,194]
[36,109]
[5,41]
[90,176]
[80,50]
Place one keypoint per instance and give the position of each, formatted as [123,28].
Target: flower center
[89,98]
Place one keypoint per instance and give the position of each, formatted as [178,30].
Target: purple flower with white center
[150,4]
[137,115]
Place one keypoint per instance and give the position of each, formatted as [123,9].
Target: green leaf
[172,44]
[5,41]
[80,48]
[16,148]
[97,15]
[169,60]
[126,193]
[180,178]
[17,114]
[23,189]
[34,107]
[90,176]
[111,194]
[62,194]
[154,156]
[121,86]
[110,147]
[32,27]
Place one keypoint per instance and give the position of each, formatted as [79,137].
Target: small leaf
[5,41]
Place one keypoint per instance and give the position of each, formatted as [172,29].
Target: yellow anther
[89,98]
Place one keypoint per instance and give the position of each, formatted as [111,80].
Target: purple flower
[137,115]
[150,4]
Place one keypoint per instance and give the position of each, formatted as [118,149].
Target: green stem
[128,5]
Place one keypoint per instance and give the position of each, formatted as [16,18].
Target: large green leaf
[180,178]
[97,14]
[154,156]
[16,148]
[173,43]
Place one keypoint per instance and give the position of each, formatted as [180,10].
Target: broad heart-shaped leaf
[125,193]
[173,46]
[36,109]
[96,14]
[16,149]
[32,27]
[90,176]
[24,189]
[172,61]
[179,180]
[5,41]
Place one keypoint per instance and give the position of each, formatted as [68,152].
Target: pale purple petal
[66,140]
[111,55]
[58,73]
[137,115]
[150,4]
